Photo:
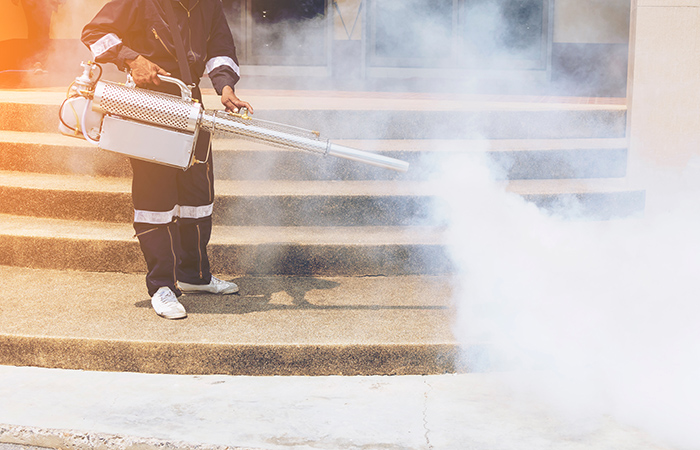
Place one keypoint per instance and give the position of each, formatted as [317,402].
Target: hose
[84,126]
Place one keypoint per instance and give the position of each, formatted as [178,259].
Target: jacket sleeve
[222,63]
[104,34]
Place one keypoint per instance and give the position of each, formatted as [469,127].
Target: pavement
[76,410]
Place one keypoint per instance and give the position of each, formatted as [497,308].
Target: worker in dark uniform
[173,208]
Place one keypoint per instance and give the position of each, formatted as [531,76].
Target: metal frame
[372,66]
[284,70]
[455,66]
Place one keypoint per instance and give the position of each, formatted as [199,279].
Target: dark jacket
[124,29]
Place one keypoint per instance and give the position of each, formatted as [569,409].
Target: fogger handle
[185,90]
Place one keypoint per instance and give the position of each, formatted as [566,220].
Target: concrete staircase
[341,265]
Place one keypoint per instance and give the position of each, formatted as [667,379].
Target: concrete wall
[12,22]
[663,95]
[70,18]
[575,21]
[66,23]
[72,15]
[589,53]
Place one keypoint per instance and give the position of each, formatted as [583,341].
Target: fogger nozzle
[291,137]
[185,115]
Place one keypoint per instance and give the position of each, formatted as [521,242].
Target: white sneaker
[215,286]
[165,304]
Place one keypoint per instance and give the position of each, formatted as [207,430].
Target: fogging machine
[163,128]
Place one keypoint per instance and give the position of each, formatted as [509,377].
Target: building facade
[576,47]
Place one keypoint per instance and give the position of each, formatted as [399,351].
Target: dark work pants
[172,220]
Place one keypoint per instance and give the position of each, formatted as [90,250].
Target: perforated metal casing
[146,106]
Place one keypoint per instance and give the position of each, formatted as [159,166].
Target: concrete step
[339,251]
[237,203]
[274,326]
[295,203]
[372,116]
[237,159]
[601,199]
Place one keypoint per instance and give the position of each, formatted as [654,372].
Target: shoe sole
[202,291]
[172,317]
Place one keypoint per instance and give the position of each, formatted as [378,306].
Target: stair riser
[29,117]
[233,211]
[335,124]
[424,165]
[291,211]
[250,360]
[277,259]
[325,211]
[561,164]
[593,206]
[476,124]
[60,159]
[282,165]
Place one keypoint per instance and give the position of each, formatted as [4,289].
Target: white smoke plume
[594,318]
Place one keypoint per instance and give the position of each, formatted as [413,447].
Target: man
[173,208]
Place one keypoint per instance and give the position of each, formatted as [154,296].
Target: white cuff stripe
[165,217]
[196,212]
[222,61]
[104,43]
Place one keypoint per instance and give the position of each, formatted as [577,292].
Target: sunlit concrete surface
[18,447]
[473,411]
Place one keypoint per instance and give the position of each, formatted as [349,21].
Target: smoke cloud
[594,318]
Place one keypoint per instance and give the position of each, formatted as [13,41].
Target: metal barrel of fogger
[291,137]
[182,114]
